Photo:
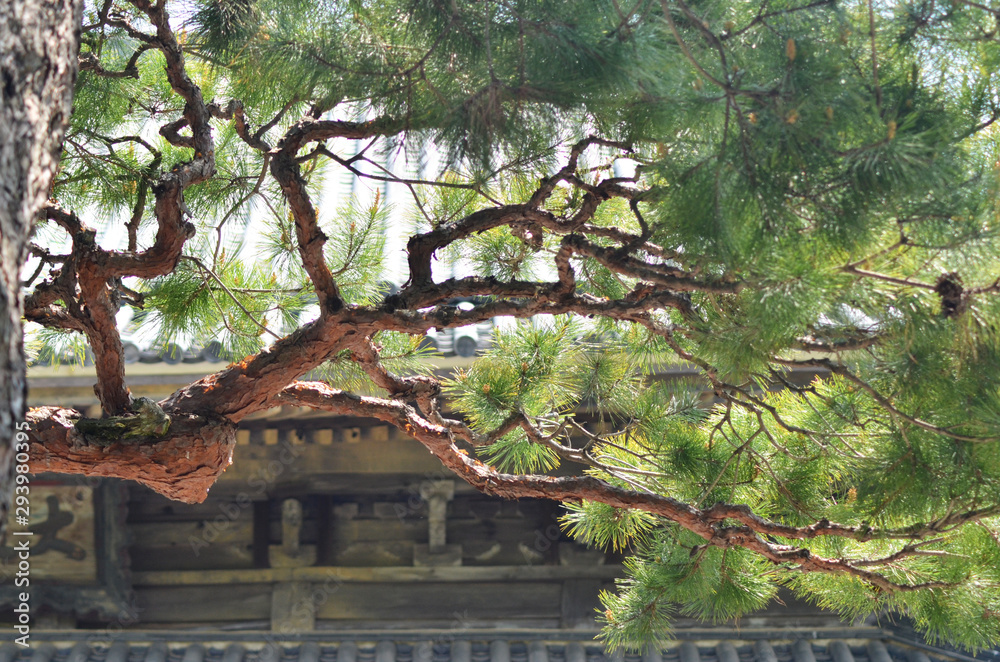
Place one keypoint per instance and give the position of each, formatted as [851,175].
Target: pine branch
[841,370]
[225,288]
[705,523]
[285,169]
[90,62]
[182,466]
[173,230]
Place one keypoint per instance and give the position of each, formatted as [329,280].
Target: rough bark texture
[38,60]
[712,524]
[183,466]
[602,266]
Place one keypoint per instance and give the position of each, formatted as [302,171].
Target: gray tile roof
[317,649]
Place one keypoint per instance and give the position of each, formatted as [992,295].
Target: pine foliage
[816,189]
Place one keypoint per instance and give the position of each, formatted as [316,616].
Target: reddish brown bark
[94,270]
[104,339]
[38,63]
[250,385]
[183,466]
[189,458]
[708,523]
[286,171]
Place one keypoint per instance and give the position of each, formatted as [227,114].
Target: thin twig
[232,296]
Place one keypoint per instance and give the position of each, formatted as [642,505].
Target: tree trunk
[182,466]
[39,40]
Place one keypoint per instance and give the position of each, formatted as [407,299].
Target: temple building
[333,539]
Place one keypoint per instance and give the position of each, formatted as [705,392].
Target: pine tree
[38,44]
[814,187]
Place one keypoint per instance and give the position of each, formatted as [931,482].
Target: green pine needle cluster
[814,193]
